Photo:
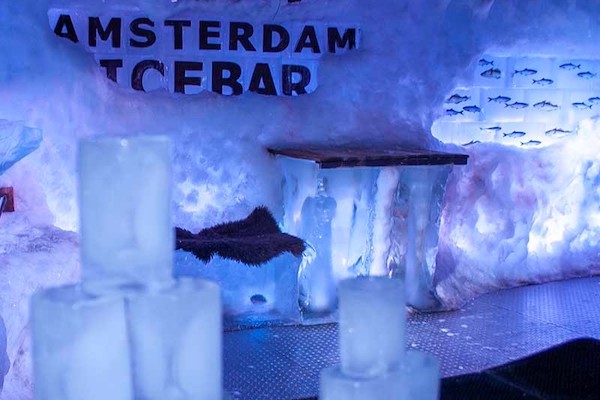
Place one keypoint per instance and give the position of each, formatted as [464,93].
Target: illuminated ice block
[175,337]
[376,220]
[127,234]
[252,296]
[335,385]
[372,325]
[80,346]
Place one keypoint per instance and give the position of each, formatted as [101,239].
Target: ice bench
[364,212]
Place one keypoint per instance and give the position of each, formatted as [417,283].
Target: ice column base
[417,378]
[138,344]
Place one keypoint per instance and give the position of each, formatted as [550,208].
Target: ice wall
[413,53]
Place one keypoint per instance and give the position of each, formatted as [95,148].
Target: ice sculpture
[318,285]
[379,220]
[372,335]
[252,295]
[16,141]
[4,362]
[129,330]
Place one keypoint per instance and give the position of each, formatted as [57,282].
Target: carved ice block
[176,341]
[80,346]
[372,325]
[127,235]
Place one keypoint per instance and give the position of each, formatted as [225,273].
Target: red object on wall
[10,201]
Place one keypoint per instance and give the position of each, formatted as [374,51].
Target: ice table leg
[176,342]
[372,325]
[80,346]
[414,236]
[127,234]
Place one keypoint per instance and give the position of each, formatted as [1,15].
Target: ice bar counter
[364,212]
[128,330]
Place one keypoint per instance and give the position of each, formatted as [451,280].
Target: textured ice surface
[151,345]
[372,325]
[175,342]
[16,141]
[125,198]
[364,221]
[252,295]
[4,363]
[80,346]
[31,257]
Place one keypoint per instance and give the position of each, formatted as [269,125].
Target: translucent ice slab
[127,234]
[372,325]
[364,221]
[139,344]
[252,295]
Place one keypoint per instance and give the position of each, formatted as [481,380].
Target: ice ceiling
[513,215]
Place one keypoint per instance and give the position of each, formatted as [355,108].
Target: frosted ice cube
[252,295]
[127,236]
[80,346]
[176,341]
[335,385]
[372,325]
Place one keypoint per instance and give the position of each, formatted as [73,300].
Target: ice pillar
[374,364]
[128,331]
[126,230]
[372,325]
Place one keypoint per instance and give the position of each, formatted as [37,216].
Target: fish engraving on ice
[492,129]
[525,72]
[493,73]
[546,106]
[456,99]
[586,75]
[515,134]
[581,105]
[558,132]
[452,112]
[543,82]
[499,99]
[569,66]
[517,105]
[531,143]
[472,109]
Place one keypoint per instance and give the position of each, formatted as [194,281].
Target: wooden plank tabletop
[336,157]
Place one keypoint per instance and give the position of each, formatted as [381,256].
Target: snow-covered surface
[511,216]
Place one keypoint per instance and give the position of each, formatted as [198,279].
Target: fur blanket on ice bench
[253,240]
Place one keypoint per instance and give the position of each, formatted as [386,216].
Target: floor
[284,362]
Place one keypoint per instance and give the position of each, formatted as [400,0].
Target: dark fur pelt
[253,241]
